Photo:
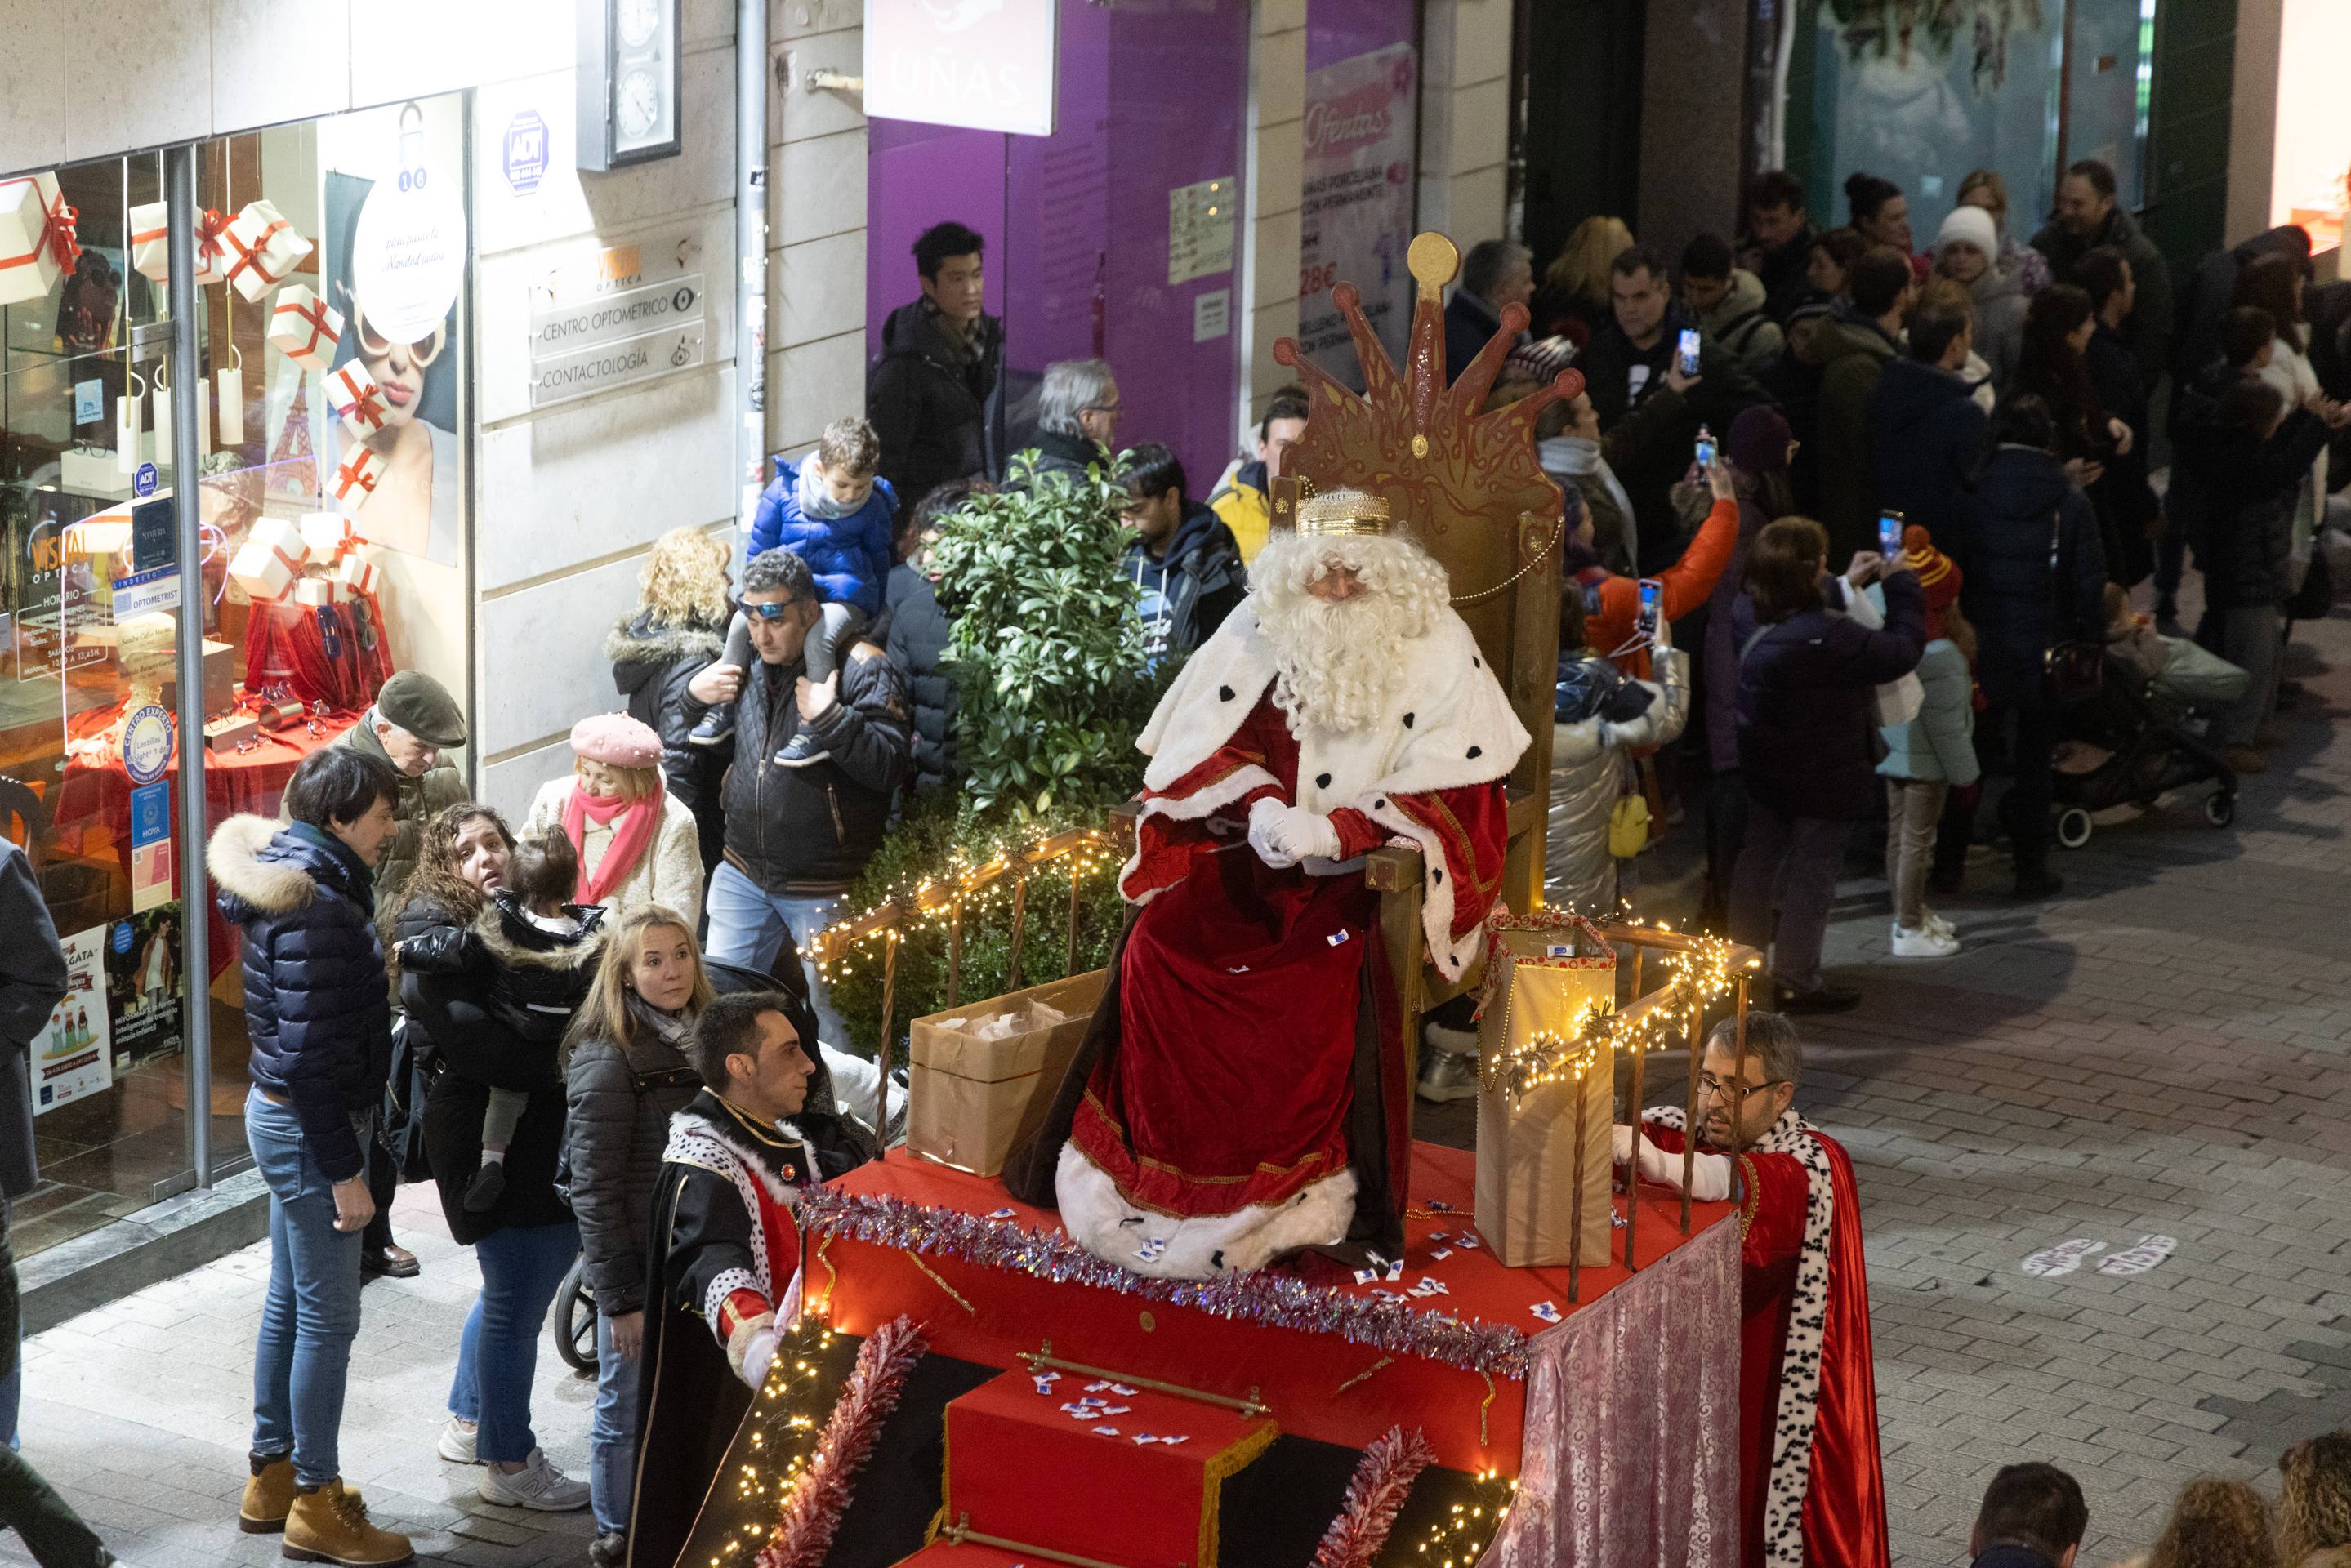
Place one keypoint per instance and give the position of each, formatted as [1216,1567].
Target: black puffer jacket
[813,827]
[621,1096]
[934,402]
[317,1007]
[917,640]
[2020,608]
[651,666]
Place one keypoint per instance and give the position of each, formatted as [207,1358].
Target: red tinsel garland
[811,1512]
[1382,1480]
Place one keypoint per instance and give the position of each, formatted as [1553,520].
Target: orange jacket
[1687,583]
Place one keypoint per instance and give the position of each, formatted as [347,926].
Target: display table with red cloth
[288,643]
[95,791]
[1620,1420]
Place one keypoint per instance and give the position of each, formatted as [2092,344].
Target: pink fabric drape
[1632,1445]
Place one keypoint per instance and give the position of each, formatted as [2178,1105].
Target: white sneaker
[456,1444]
[1939,925]
[537,1485]
[1924,942]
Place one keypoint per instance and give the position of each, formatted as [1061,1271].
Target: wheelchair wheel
[572,1321]
[2072,827]
[2220,808]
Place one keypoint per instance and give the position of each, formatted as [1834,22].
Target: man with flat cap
[414,722]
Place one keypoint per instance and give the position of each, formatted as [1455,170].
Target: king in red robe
[1244,1087]
[1811,1490]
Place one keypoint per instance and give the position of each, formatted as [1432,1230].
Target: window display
[330,381]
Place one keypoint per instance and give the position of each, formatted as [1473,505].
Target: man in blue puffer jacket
[834,511]
[317,1007]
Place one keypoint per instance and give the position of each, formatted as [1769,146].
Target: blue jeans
[747,927]
[613,1438]
[312,1311]
[498,1353]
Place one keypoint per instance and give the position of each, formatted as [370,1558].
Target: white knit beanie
[1972,224]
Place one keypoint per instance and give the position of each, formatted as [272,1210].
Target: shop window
[330,379]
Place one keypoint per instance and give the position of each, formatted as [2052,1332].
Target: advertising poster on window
[72,1059]
[58,606]
[1361,138]
[143,986]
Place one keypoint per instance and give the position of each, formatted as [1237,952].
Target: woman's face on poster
[399,369]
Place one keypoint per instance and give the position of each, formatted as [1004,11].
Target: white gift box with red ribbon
[327,536]
[37,247]
[304,328]
[269,563]
[315,591]
[357,570]
[354,393]
[151,243]
[262,248]
[357,473]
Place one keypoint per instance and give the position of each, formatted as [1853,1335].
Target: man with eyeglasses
[1812,1487]
[796,837]
[1078,410]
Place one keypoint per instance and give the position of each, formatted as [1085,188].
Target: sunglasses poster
[394,266]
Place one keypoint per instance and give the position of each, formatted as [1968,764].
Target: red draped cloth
[1844,1498]
[1232,1081]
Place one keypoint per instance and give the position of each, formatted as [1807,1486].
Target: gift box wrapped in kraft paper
[1545,972]
[984,1073]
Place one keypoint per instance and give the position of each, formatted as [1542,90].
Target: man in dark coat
[797,838]
[2196,337]
[2032,1517]
[1926,429]
[935,395]
[1649,411]
[1852,349]
[2088,216]
[723,1280]
[1495,275]
[916,633]
[1183,558]
[1778,244]
[2131,507]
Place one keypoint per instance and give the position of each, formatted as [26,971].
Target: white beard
[1337,665]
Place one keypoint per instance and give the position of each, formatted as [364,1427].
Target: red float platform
[1318,1382]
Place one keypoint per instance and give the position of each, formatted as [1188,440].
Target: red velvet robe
[1844,1497]
[1232,1080]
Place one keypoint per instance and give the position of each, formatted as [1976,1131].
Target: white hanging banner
[987,65]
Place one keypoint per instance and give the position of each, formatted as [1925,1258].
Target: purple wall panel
[1341,29]
[917,175]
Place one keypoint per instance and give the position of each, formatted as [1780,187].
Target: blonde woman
[2314,1502]
[1986,189]
[636,840]
[625,1077]
[665,664]
[1573,299]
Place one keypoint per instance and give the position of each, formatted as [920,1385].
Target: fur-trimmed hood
[266,869]
[514,942]
[637,640]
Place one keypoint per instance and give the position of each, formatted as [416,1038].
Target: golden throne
[1468,485]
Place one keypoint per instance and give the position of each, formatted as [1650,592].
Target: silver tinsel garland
[1275,1301]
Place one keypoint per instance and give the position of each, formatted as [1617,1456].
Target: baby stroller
[2150,751]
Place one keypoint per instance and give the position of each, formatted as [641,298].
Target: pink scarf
[637,820]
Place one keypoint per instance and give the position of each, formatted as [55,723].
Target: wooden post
[1739,1077]
[1070,965]
[955,952]
[1019,925]
[1633,1177]
[1689,1116]
[889,1028]
[1575,1204]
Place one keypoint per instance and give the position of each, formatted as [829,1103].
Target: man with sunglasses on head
[1812,1487]
[796,837]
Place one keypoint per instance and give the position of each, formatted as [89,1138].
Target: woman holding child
[494,956]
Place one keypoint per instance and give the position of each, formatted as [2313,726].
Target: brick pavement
[2160,1051]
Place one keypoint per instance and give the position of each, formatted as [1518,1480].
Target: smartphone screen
[1704,454]
[1652,595]
[1686,351]
[1890,534]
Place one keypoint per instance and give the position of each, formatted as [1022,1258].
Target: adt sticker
[525,160]
[143,484]
[147,744]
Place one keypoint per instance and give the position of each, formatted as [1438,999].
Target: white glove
[1709,1173]
[1620,1145]
[1282,836]
[758,1351]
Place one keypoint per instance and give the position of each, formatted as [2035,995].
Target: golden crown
[1342,514]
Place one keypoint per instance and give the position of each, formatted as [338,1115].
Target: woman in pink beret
[636,840]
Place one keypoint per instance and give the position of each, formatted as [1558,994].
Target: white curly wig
[1337,663]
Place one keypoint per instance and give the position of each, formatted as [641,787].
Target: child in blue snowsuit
[831,511]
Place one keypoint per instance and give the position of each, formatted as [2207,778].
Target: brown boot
[267,1496]
[330,1525]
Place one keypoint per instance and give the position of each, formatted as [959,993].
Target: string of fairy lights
[786,1420]
[1700,971]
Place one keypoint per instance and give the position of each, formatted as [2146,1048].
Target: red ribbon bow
[57,237]
[366,405]
[253,256]
[354,471]
[315,313]
[210,227]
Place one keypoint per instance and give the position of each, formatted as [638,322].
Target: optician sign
[987,65]
[627,314]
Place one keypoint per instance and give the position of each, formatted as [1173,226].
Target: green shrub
[1047,653]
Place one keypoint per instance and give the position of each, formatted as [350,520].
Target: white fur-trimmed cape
[1447,727]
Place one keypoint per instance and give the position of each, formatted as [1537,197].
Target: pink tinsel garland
[1265,1297]
[811,1512]
[1382,1480]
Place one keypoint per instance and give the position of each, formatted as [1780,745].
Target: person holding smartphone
[1612,605]
[1807,674]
